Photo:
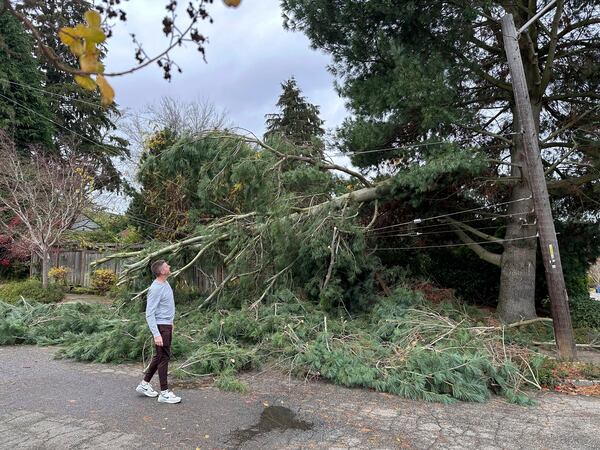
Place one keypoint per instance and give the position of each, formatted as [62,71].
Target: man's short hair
[156,266]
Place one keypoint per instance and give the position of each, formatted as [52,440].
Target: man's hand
[158,340]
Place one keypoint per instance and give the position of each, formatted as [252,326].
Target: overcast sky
[248,55]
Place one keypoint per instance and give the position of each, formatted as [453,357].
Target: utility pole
[563,330]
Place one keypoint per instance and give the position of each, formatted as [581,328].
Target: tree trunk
[45,268]
[516,300]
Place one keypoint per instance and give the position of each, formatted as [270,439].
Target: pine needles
[402,346]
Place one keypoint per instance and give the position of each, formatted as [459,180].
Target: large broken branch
[253,139]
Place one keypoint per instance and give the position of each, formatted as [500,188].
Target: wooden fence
[78,262]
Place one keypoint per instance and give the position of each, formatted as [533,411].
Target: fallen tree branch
[528,322]
[199,254]
[333,247]
[315,162]
[474,231]
[486,255]
[271,283]
[576,345]
[218,289]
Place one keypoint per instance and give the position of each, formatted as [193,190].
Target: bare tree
[182,118]
[40,198]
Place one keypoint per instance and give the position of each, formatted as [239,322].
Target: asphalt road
[55,404]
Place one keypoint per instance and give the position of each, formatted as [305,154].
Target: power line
[418,220]
[358,152]
[418,233]
[190,191]
[499,241]
[59,125]
[415,221]
[444,225]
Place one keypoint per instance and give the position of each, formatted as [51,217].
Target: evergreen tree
[436,72]
[298,122]
[21,105]
[160,208]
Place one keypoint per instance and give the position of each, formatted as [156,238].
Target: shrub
[585,312]
[30,290]
[59,274]
[103,280]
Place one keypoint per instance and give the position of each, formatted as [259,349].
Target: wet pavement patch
[272,418]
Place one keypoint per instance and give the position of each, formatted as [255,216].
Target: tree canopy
[298,121]
[23,106]
[424,81]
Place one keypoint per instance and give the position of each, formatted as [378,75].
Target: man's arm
[151,304]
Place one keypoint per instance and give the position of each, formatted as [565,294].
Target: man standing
[160,312]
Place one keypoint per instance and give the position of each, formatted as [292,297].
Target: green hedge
[30,290]
[585,312]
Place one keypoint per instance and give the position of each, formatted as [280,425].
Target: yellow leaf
[77,47]
[96,35]
[79,31]
[85,82]
[232,3]
[89,62]
[67,35]
[92,18]
[92,35]
[90,46]
[106,90]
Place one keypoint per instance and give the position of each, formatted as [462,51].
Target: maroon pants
[160,361]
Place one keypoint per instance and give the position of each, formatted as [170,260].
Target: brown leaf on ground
[571,389]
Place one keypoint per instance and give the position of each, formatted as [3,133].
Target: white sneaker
[168,397]
[146,390]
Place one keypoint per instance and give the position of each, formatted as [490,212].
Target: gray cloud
[248,55]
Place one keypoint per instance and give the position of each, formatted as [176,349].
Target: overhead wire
[440,216]
[498,241]
[378,229]
[383,233]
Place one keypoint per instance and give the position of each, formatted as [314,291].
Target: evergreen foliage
[20,112]
[414,76]
[298,122]
[402,346]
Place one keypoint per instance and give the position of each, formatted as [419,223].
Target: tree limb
[556,163]
[552,45]
[486,255]
[474,231]
[319,163]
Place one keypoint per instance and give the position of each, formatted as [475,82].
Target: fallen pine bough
[403,346]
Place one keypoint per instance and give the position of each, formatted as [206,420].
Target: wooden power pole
[563,330]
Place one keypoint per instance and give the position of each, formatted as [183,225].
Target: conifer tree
[436,72]
[21,105]
[298,122]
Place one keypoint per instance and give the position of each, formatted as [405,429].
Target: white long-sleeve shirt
[160,306]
